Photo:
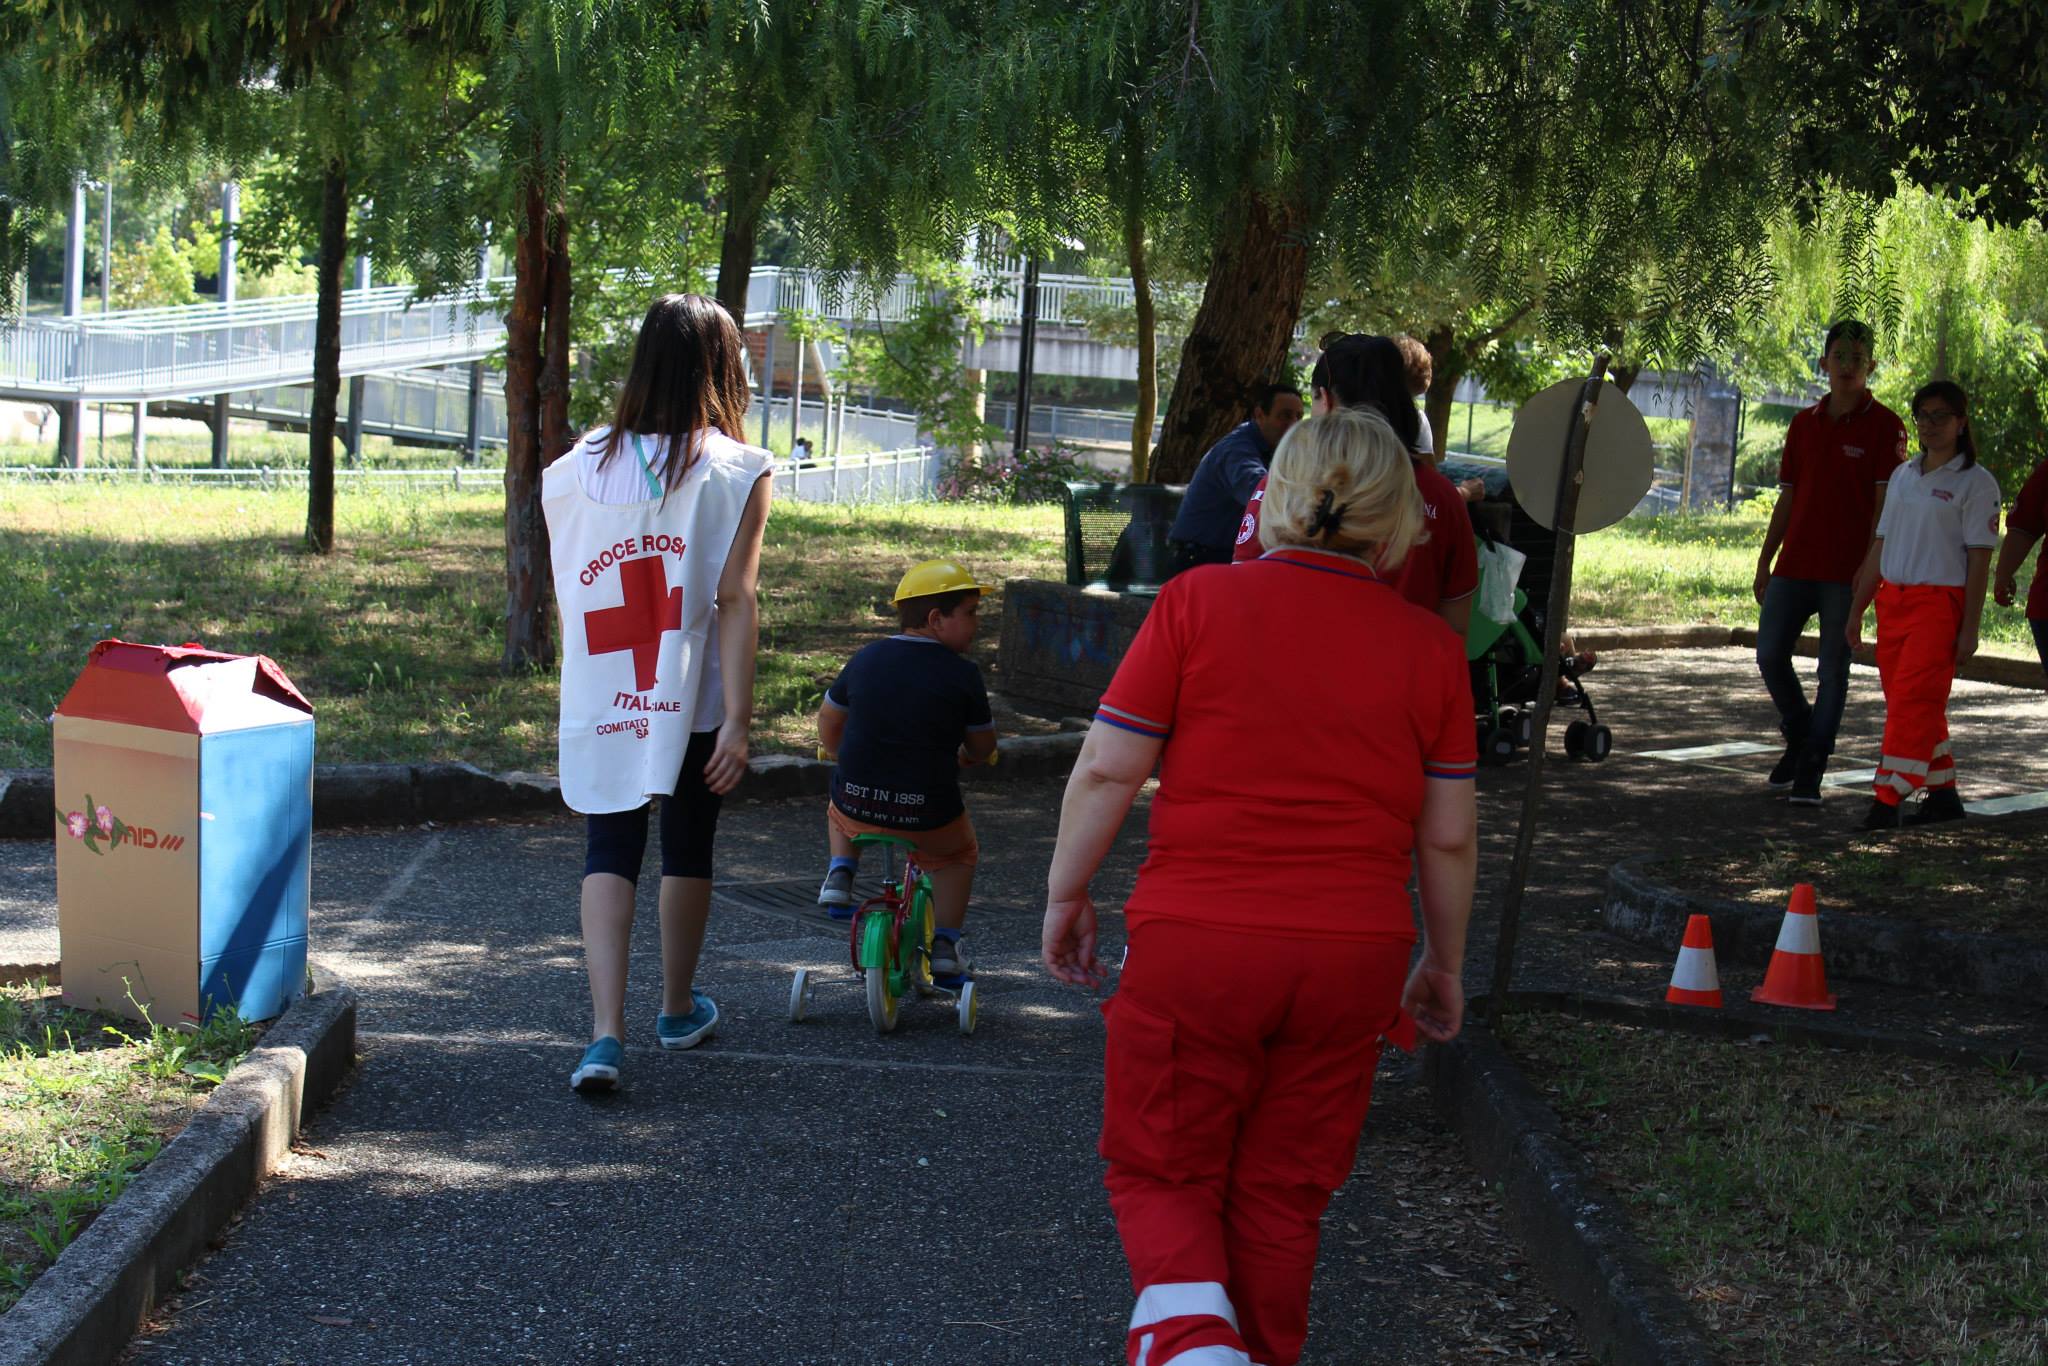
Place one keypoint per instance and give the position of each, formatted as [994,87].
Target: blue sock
[950,936]
[849,863]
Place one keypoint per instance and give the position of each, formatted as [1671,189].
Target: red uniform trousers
[1237,1076]
[1917,625]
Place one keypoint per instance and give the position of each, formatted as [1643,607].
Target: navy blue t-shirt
[1213,506]
[909,702]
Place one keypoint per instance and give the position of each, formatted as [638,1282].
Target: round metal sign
[1618,465]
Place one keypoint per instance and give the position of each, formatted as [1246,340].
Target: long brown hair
[686,375]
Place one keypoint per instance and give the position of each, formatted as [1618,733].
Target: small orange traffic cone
[1694,982]
[1796,976]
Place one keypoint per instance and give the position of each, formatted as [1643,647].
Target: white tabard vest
[637,585]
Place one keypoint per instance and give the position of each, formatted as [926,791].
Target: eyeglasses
[1934,418]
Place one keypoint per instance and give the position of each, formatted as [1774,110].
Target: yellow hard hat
[936,576]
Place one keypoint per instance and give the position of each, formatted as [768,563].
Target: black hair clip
[1329,515]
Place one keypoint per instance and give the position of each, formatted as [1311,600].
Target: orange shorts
[952,845]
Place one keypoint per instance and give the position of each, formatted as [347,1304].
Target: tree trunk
[1148,322]
[555,434]
[1241,333]
[1624,375]
[746,198]
[528,591]
[1447,362]
[326,360]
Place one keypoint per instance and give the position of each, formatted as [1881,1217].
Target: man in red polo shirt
[1839,455]
[2024,525]
[1442,572]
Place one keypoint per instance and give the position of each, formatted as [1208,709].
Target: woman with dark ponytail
[1927,571]
[656,523]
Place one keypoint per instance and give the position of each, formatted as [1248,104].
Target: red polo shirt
[1832,469]
[2030,513]
[1304,706]
[1441,568]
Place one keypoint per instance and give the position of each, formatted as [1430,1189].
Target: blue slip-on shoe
[599,1070]
[687,1031]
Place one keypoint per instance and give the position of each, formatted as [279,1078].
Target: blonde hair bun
[1343,481]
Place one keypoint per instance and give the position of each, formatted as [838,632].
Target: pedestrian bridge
[155,354]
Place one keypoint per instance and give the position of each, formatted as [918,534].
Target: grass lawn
[1701,568]
[1984,879]
[396,635]
[1818,1207]
[85,1103]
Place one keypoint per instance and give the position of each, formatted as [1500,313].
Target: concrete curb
[1900,953]
[404,794]
[85,1308]
[1740,1021]
[1626,1308]
[2010,671]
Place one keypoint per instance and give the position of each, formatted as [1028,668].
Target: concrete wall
[1060,644]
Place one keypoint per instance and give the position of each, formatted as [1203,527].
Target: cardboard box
[184,834]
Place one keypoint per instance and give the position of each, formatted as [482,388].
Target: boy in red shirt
[2025,525]
[1839,455]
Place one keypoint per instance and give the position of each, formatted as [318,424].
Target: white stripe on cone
[1799,933]
[1696,971]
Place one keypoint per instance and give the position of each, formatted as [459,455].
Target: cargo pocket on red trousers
[1138,1112]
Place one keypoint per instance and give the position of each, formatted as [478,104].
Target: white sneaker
[949,959]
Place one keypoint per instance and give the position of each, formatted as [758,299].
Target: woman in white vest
[655,523]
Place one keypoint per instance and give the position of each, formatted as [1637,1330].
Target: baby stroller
[1503,640]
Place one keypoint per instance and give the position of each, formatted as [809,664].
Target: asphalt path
[815,1193]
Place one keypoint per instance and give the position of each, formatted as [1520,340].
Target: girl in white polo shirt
[1927,570]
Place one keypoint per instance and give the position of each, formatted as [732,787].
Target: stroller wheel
[1575,741]
[1498,747]
[1598,744]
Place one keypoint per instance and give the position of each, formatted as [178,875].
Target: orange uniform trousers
[1917,625]
[1237,1075]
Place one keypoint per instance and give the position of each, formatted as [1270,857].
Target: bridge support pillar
[70,435]
[473,449]
[354,437]
[220,431]
[977,380]
[138,440]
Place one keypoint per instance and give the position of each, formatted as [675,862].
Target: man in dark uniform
[1206,529]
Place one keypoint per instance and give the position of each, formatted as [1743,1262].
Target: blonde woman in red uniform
[1313,732]
[1927,569]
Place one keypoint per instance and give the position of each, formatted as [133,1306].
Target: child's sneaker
[599,1070]
[835,894]
[949,961]
[687,1031]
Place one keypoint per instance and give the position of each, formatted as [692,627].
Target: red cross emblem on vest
[636,624]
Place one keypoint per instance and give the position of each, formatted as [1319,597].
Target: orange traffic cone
[1694,982]
[1796,976]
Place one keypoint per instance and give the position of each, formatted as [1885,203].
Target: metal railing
[458,478]
[906,474]
[161,353]
[1063,300]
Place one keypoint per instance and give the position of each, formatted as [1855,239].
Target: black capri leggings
[617,840]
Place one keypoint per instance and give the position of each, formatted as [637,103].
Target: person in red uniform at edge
[1442,571]
[2024,526]
[1831,487]
[1314,736]
[1927,570]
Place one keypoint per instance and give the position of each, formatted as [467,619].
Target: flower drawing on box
[94,825]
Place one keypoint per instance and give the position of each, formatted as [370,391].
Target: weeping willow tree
[328,86]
